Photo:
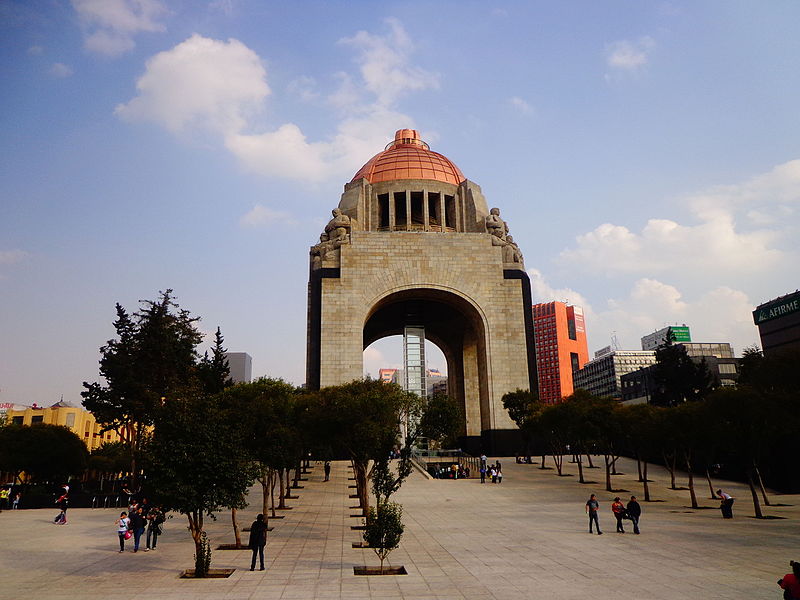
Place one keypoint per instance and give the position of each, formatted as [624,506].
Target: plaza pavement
[526,538]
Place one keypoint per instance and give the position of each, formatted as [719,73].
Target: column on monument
[408,210]
[442,213]
[392,215]
[425,216]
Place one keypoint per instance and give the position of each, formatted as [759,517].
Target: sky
[646,156]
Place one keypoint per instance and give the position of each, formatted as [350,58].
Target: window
[727,368]
[417,216]
[17,420]
[70,422]
[433,209]
[383,205]
[37,419]
[450,211]
[400,216]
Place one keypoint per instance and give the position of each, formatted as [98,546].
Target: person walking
[327,470]
[4,495]
[618,508]
[155,517]
[137,527]
[123,525]
[726,504]
[634,511]
[257,541]
[499,474]
[592,508]
[63,504]
[15,503]
[483,473]
[790,583]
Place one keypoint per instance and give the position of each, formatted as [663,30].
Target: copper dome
[408,157]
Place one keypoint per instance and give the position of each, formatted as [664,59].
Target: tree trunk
[236,535]
[669,462]
[607,460]
[761,485]
[288,478]
[614,465]
[710,486]
[639,467]
[580,468]
[692,493]
[589,458]
[543,457]
[281,499]
[271,480]
[756,504]
[360,472]
[196,530]
[644,482]
[559,460]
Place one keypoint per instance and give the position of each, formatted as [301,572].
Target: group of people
[494,471]
[5,497]
[141,516]
[632,511]
[453,471]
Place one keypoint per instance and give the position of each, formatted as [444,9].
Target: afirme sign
[779,308]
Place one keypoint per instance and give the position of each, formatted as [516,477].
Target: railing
[440,462]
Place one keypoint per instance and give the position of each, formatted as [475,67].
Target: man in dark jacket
[257,541]
[634,511]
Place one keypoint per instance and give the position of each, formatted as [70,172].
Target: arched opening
[457,328]
[386,354]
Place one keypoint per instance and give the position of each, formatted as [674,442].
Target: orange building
[560,336]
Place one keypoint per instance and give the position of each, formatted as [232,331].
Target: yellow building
[76,418]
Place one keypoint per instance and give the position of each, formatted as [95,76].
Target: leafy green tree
[442,420]
[524,407]
[362,418]
[153,357]
[198,462]
[44,452]
[678,378]
[384,529]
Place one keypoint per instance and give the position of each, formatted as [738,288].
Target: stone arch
[458,326]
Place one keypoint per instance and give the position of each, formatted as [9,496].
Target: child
[123,524]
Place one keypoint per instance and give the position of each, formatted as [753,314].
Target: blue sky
[644,154]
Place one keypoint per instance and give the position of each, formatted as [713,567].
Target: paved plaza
[526,538]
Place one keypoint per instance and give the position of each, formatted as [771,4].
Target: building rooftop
[408,157]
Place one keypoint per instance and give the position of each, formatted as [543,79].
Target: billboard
[680,334]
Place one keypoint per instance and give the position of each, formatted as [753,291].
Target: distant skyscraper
[560,335]
[658,338]
[603,375]
[241,366]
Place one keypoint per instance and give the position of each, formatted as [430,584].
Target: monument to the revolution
[413,249]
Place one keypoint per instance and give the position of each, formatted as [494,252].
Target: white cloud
[374,361]
[110,25]
[60,70]
[740,230]
[200,83]
[384,64]
[219,87]
[303,87]
[521,105]
[626,55]
[261,216]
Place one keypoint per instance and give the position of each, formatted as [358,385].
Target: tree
[524,408]
[640,424]
[214,372]
[198,463]
[442,420]
[153,356]
[44,452]
[677,377]
[384,529]
[362,418]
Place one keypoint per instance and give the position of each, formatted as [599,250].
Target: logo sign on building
[680,334]
[580,324]
[779,308]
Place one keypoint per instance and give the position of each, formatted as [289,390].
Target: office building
[603,375]
[778,323]
[559,334]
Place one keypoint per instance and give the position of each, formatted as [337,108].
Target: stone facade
[423,247]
